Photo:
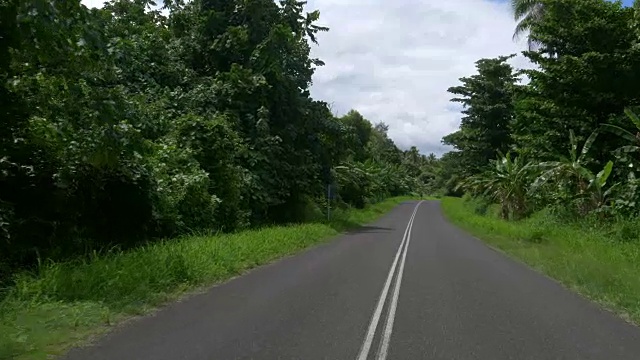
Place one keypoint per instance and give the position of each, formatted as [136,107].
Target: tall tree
[592,78]
[360,130]
[487,100]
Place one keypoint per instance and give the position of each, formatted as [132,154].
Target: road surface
[393,290]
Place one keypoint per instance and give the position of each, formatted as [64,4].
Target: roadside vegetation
[62,304]
[547,158]
[599,260]
[129,131]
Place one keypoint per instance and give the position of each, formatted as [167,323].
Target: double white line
[388,326]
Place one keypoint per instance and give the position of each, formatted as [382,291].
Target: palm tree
[527,13]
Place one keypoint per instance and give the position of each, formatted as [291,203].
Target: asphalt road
[445,296]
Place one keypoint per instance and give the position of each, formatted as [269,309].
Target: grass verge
[599,262]
[64,304]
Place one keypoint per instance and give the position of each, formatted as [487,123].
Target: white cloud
[394,60]
[100,3]
[93,3]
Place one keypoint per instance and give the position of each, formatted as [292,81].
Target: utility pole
[328,202]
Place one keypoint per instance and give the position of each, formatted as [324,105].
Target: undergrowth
[62,304]
[599,260]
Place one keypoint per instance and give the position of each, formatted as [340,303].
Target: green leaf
[634,118]
[604,174]
[587,145]
[619,131]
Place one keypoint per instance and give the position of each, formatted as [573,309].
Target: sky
[393,60]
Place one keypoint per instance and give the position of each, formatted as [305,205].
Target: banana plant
[627,155]
[568,169]
[624,153]
[506,182]
[634,140]
[596,195]
[572,174]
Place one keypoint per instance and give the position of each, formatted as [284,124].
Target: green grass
[65,304]
[600,262]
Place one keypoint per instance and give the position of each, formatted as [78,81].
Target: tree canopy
[565,136]
[125,124]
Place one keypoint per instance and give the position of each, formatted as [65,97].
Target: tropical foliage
[126,124]
[580,100]
[505,181]
[527,13]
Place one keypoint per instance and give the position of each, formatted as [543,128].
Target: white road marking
[388,326]
[375,319]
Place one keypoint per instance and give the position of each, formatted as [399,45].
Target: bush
[627,230]
[536,236]
[480,205]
